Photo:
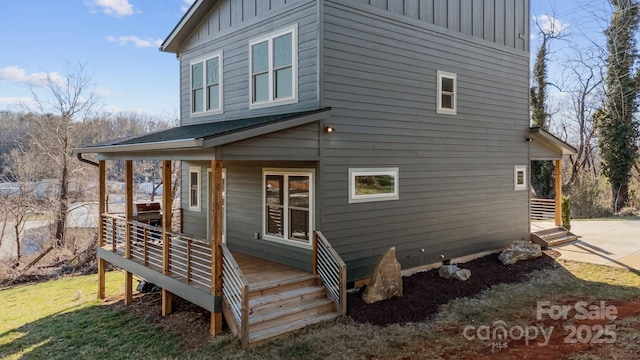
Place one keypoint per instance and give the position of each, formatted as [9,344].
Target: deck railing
[331,270]
[542,209]
[235,292]
[189,258]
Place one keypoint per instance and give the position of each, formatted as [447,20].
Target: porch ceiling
[551,143]
[196,139]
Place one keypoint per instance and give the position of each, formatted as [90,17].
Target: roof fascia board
[206,154]
[549,140]
[264,129]
[166,44]
[193,144]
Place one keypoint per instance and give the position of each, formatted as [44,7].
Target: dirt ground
[423,294]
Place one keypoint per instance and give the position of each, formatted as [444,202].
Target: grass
[50,320]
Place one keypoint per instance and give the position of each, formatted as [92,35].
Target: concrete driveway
[613,242]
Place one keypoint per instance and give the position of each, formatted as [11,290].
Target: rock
[454,272]
[520,250]
[386,281]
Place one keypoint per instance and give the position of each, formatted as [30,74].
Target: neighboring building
[377,123]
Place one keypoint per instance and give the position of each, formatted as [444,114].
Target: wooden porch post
[216,241]
[128,206]
[101,209]
[558,205]
[167,203]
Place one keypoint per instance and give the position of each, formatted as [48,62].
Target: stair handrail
[235,291]
[331,270]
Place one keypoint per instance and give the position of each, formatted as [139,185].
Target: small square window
[519,177]
[447,93]
[373,185]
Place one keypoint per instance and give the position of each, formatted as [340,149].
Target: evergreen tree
[615,122]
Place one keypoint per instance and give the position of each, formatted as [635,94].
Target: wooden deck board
[260,272]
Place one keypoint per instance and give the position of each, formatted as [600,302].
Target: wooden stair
[553,237]
[279,308]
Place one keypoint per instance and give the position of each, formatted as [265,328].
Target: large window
[288,206]
[447,93]
[373,185]
[206,85]
[194,188]
[273,68]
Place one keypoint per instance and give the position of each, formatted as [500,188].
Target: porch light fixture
[329,129]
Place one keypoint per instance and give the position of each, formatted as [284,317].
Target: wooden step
[257,337]
[552,237]
[557,240]
[282,286]
[268,302]
[288,314]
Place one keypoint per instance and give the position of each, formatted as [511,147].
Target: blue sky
[118,42]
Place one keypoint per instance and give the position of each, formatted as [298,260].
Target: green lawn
[62,320]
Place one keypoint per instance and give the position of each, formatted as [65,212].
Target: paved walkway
[605,242]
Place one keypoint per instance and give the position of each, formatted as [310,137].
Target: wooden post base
[128,288]
[101,278]
[167,302]
[216,323]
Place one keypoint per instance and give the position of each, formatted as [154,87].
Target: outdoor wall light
[329,129]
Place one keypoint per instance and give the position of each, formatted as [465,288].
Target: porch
[260,299]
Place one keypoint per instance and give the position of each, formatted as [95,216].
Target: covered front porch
[226,272]
[546,214]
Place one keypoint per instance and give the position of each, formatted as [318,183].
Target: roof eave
[182,144]
[194,15]
[549,139]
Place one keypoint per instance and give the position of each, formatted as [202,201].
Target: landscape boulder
[520,250]
[454,272]
[386,281]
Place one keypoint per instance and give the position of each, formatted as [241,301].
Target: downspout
[87,161]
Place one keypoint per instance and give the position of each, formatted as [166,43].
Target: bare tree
[61,101]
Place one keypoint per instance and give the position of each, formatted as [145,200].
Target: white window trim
[312,203]
[440,109]
[516,170]
[197,170]
[203,60]
[353,198]
[293,29]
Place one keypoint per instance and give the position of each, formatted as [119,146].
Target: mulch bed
[424,292]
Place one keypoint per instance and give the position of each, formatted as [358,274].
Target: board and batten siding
[456,171]
[232,38]
[505,22]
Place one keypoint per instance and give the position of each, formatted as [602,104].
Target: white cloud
[14,74]
[550,25]
[101,91]
[186,4]
[135,40]
[118,8]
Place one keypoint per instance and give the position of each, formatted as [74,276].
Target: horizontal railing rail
[542,209]
[235,291]
[190,259]
[114,230]
[331,270]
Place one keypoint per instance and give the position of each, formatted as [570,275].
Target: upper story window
[447,93]
[273,62]
[206,85]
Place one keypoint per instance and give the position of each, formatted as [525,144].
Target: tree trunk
[16,230]
[620,196]
[61,219]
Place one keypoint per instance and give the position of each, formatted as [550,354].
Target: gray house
[317,134]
